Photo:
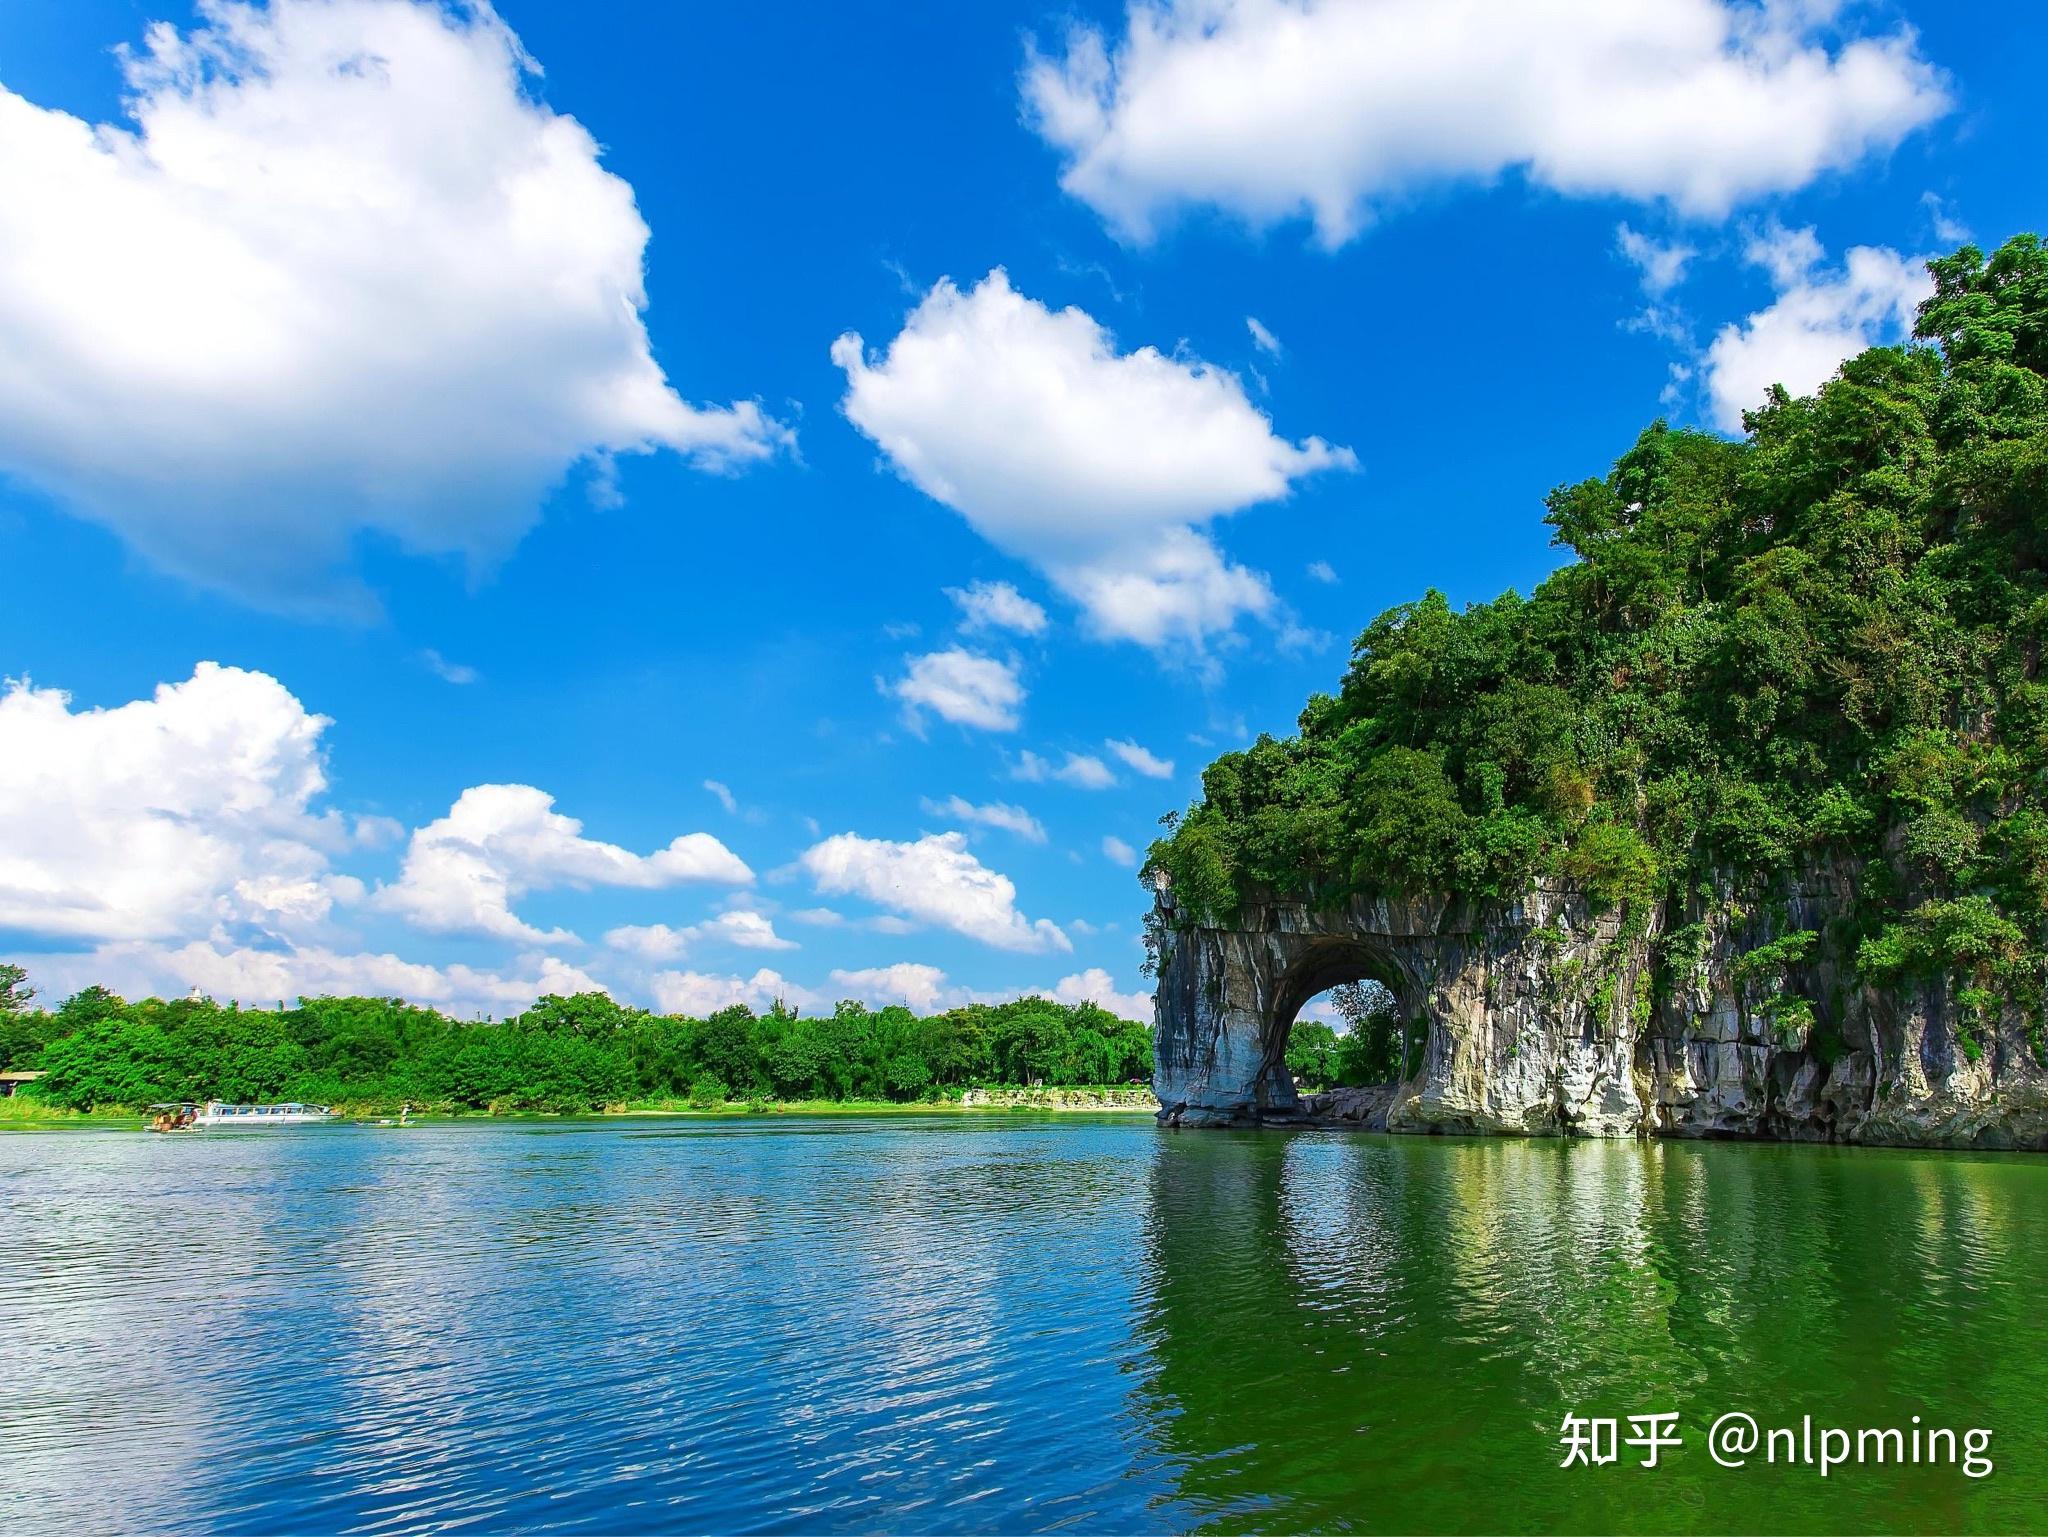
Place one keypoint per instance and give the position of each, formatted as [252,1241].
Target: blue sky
[300,388]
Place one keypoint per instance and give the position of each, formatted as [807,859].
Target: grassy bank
[19,1112]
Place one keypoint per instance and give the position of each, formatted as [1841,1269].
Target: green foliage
[24,1030]
[564,1053]
[1370,1050]
[1821,640]
[1968,940]
[1612,864]
[1312,1049]
[1772,960]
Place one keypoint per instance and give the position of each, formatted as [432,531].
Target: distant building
[9,1082]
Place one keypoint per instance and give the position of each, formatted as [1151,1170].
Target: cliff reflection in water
[1387,1333]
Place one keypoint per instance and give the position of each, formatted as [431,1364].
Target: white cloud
[1786,254]
[923,989]
[649,942]
[725,796]
[1097,466]
[375,832]
[1818,319]
[1118,852]
[463,871]
[658,942]
[697,994]
[1150,764]
[445,670]
[255,976]
[934,880]
[748,930]
[344,273]
[820,917]
[1083,771]
[1262,338]
[928,990]
[997,605]
[1275,109]
[167,817]
[1948,229]
[1322,571]
[962,687]
[1097,986]
[1014,819]
[1662,263]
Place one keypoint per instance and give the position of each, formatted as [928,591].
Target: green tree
[1312,1054]
[24,1030]
[1819,642]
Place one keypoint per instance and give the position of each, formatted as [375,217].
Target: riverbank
[1133,1100]
[19,1112]
[24,1114]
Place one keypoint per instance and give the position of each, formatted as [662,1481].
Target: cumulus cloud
[1819,318]
[927,990]
[697,993]
[1142,761]
[1083,771]
[724,795]
[1013,819]
[999,606]
[262,976]
[935,880]
[923,989]
[343,273]
[741,927]
[1262,338]
[1096,986]
[168,817]
[1271,110]
[463,871]
[1098,466]
[960,686]
[1118,852]
[1322,571]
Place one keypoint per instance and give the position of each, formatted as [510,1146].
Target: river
[1008,1322]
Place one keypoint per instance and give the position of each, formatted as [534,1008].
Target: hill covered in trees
[1818,645]
[576,1053]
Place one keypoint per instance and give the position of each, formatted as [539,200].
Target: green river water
[1003,1322]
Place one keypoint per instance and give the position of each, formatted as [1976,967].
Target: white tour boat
[216,1113]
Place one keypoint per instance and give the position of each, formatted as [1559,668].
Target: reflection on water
[1386,1334]
[1006,1322]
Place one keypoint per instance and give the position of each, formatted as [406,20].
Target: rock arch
[1541,1018]
[1501,1053]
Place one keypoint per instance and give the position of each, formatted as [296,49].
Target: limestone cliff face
[1544,1019]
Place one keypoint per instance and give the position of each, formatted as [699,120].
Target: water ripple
[1005,1323]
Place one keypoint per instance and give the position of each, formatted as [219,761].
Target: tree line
[564,1053]
[1815,647]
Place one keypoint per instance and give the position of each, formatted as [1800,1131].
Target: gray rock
[1545,1019]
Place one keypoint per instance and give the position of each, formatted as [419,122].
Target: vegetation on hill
[1819,644]
[575,1053]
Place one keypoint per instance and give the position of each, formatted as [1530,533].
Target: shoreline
[1050,1101]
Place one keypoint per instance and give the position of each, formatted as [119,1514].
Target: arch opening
[1340,1025]
[1346,1037]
